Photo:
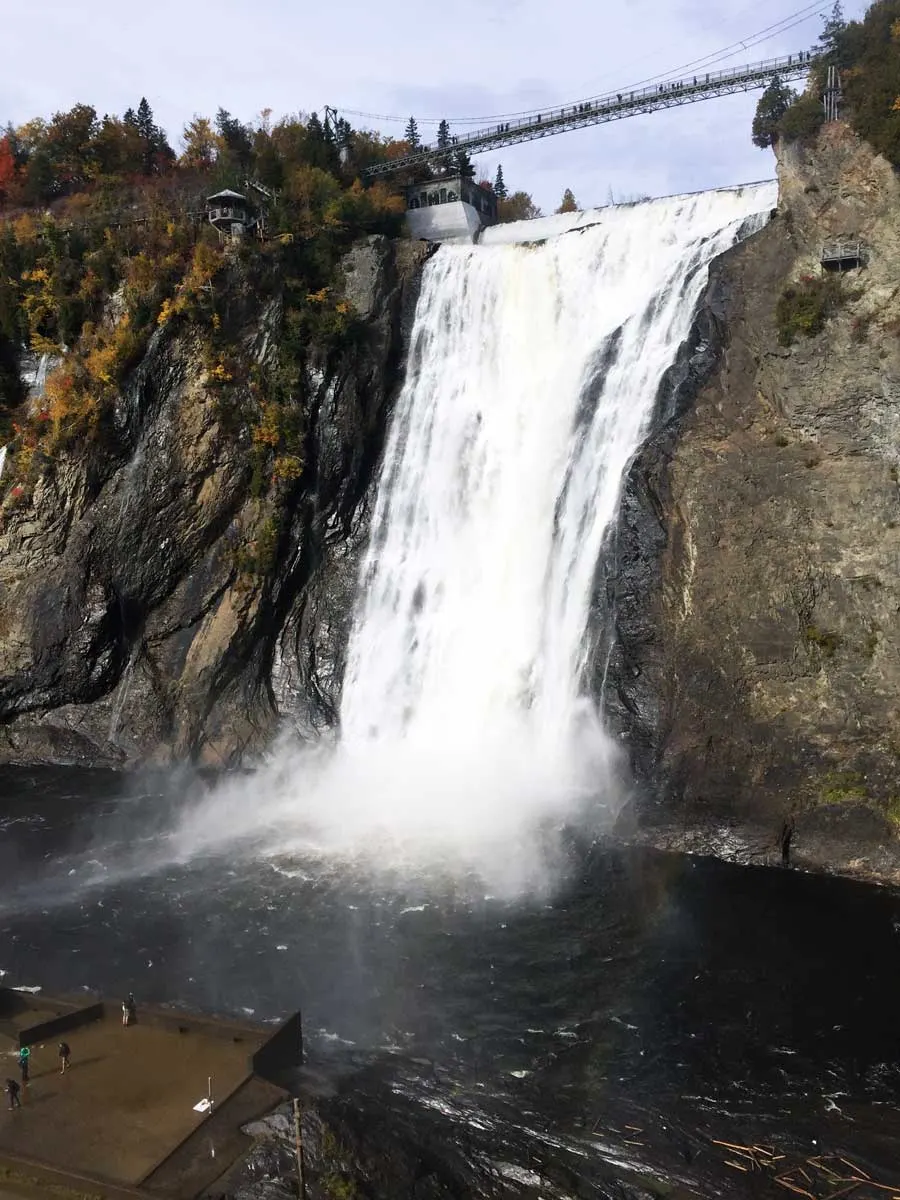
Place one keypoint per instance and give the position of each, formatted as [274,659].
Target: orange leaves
[7,167]
[267,431]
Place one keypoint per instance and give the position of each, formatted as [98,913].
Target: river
[684,997]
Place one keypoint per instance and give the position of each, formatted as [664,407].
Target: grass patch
[839,786]
[826,641]
[804,307]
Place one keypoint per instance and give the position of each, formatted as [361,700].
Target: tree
[411,134]
[463,165]
[156,154]
[199,144]
[773,104]
[7,167]
[569,203]
[834,26]
[445,162]
[234,139]
[499,184]
[518,207]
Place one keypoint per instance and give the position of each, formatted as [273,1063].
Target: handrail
[614,106]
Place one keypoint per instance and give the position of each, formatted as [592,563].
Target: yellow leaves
[343,308]
[42,345]
[267,431]
[166,312]
[220,373]
[25,229]
[895,107]
[216,321]
[100,363]
[286,468]
[319,297]
[895,31]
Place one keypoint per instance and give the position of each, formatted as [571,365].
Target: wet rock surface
[129,631]
[755,672]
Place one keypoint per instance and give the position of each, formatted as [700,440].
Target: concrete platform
[122,1119]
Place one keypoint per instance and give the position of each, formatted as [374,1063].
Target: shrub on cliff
[770,110]
[802,119]
[867,55]
[803,308]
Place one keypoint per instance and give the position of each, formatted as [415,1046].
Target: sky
[472,58]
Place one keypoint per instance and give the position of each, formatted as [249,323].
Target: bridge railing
[606,108]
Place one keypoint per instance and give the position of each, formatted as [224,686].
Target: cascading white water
[533,371]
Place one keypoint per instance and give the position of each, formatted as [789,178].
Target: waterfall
[466,720]
[2,460]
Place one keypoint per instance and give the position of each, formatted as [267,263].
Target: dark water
[685,997]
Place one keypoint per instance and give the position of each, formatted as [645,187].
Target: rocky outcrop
[136,622]
[756,669]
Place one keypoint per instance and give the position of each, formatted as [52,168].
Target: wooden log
[786,1183]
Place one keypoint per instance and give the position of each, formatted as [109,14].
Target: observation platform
[842,256]
[122,1120]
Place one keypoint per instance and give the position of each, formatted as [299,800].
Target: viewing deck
[842,256]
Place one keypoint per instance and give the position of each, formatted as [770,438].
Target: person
[128,1010]
[12,1093]
[784,840]
[64,1053]
[24,1056]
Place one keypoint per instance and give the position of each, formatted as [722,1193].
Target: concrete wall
[444,222]
[282,1055]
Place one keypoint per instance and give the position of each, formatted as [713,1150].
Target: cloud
[488,57]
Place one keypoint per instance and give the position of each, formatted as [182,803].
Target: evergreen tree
[445,162]
[144,121]
[463,165]
[834,26]
[411,136]
[156,152]
[500,184]
[235,139]
[569,203]
[773,104]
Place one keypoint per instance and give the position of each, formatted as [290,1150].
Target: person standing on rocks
[129,1010]
[64,1053]
[24,1057]
[784,840]
[12,1094]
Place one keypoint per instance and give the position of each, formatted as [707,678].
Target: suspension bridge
[614,107]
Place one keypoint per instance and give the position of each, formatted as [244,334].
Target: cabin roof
[227,194]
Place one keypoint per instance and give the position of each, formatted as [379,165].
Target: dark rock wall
[129,630]
[755,672]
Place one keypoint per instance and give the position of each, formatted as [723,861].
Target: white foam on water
[468,729]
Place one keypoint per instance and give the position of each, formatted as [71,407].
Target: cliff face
[756,671]
[138,620]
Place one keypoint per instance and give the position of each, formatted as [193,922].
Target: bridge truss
[615,107]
